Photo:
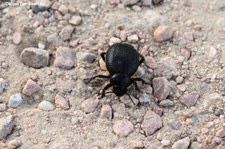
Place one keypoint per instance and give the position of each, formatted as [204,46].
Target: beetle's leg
[104,89]
[139,79]
[103,56]
[131,98]
[135,85]
[142,59]
[88,80]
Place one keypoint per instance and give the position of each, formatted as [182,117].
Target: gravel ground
[49,47]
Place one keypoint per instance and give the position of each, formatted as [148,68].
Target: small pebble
[89,105]
[15,100]
[181,144]
[151,123]
[66,32]
[132,38]
[64,58]
[179,79]
[85,56]
[129,2]
[2,107]
[189,99]
[75,20]
[6,126]
[46,106]
[30,88]
[106,112]
[161,88]
[166,103]
[163,33]
[220,133]
[165,142]
[61,102]
[63,9]
[136,144]
[123,128]
[114,40]
[16,38]
[35,57]
[35,9]
[2,85]
[14,144]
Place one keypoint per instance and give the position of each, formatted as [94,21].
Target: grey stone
[106,112]
[6,126]
[86,56]
[35,57]
[2,85]
[15,100]
[129,2]
[166,103]
[75,20]
[46,106]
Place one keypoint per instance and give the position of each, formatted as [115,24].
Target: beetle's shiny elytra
[122,61]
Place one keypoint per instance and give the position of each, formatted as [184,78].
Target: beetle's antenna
[131,98]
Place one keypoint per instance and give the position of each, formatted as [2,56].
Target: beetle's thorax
[120,80]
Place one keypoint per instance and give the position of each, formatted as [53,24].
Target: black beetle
[122,61]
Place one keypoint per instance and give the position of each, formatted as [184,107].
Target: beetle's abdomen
[122,58]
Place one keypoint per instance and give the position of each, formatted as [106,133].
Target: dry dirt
[73,128]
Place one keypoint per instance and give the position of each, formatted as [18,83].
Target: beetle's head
[119,91]
[120,82]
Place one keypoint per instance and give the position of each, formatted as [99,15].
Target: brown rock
[152,122]
[150,62]
[189,99]
[64,58]
[123,128]
[61,102]
[30,88]
[163,33]
[161,88]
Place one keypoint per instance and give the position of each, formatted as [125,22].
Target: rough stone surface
[133,38]
[30,88]
[46,106]
[163,33]
[61,102]
[89,105]
[15,100]
[86,56]
[66,32]
[182,143]
[161,88]
[152,122]
[2,85]
[166,103]
[35,57]
[6,126]
[75,20]
[189,99]
[123,128]
[63,9]
[64,58]
[151,62]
